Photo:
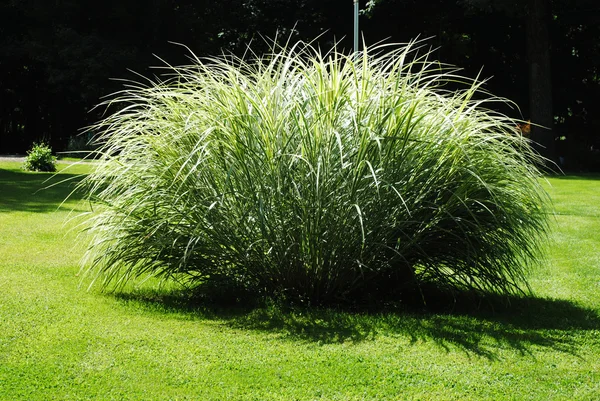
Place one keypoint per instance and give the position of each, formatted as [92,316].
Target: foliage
[315,177]
[40,158]
[59,57]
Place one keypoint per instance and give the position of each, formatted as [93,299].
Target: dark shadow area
[576,176]
[478,326]
[36,192]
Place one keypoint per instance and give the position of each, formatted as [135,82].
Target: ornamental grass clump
[315,177]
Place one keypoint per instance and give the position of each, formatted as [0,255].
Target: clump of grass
[319,177]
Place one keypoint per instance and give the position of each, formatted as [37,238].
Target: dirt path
[10,158]
[21,159]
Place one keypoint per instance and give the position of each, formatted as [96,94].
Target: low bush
[40,158]
[315,177]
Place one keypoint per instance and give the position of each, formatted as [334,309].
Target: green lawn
[61,342]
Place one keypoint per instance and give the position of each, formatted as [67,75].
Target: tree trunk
[540,84]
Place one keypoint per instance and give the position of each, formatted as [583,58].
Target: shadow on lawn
[481,329]
[569,176]
[35,192]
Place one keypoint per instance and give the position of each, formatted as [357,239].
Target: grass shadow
[522,323]
[571,176]
[36,192]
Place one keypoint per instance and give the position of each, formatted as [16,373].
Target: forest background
[59,58]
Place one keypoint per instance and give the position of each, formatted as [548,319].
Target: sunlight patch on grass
[58,341]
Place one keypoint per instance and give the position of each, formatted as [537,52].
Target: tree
[540,81]
[58,57]
[500,48]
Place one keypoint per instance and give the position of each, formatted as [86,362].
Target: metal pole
[356,27]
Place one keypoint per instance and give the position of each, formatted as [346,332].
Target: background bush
[316,177]
[40,158]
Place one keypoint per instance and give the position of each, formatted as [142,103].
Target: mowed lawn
[59,341]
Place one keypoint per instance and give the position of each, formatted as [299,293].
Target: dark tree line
[57,57]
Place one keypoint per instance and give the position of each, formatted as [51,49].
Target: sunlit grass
[59,341]
[576,244]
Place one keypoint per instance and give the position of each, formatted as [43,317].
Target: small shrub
[315,177]
[40,158]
